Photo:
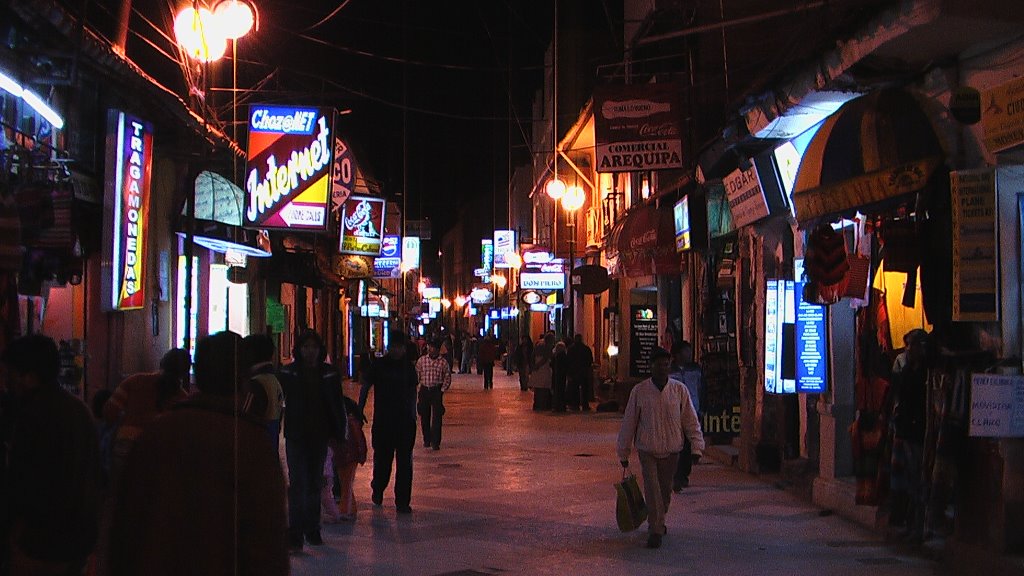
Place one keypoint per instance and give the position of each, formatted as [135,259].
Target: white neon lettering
[298,121]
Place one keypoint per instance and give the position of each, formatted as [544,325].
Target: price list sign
[811,371]
[643,339]
[997,406]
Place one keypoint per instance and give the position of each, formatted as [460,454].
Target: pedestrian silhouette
[202,491]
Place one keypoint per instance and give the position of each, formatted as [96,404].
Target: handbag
[630,508]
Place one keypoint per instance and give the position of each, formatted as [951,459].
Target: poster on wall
[997,406]
[362,226]
[643,338]
[975,264]
[1001,118]
[129,165]
[288,171]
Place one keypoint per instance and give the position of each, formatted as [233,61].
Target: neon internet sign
[289,167]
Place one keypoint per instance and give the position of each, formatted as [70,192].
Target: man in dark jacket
[580,361]
[202,491]
[393,379]
[314,413]
[54,465]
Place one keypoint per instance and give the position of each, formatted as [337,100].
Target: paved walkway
[514,492]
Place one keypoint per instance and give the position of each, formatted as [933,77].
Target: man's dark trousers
[488,375]
[393,441]
[305,473]
[431,410]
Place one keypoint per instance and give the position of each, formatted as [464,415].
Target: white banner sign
[997,406]
[746,198]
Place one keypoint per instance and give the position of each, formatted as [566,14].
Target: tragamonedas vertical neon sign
[130,168]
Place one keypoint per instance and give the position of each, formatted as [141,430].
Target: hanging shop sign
[504,243]
[975,269]
[747,202]
[487,255]
[289,167]
[362,225]
[343,178]
[547,276]
[997,406]
[590,279]
[643,338]
[795,359]
[1002,115]
[530,298]
[410,252]
[636,127]
[681,219]
[126,214]
[389,263]
[481,294]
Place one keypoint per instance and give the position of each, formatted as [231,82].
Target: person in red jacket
[485,358]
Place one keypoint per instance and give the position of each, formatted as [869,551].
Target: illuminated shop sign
[362,226]
[288,172]
[487,254]
[504,243]
[794,350]
[410,252]
[129,166]
[388,264]
[681,218]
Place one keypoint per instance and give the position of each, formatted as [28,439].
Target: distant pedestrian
[467,353]
[435,377]
[314,414]
[581,374]
[559,377]
[523,359]
[485,358]
[448,350]
[659,415]
[203,492]
[540,373]
[685,370]
[393,379]
[53,466]
[264,397]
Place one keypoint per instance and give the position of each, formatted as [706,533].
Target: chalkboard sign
[643,337]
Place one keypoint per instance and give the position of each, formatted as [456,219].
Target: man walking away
[524,361]
[659,415]
[685,370]
[486,356]
[53,462]
[435,377]
[581,372]
[393,379]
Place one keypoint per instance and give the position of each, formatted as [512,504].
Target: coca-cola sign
[636,127]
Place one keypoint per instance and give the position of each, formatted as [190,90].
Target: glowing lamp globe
[499,281]
[197,33]
[574,198]
[234,18]
[460,301]
[514,260]
[555,189]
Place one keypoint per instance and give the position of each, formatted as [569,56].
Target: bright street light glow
[499,281]
[198,34]
[514,260]
[613,350]
[234,18]
[460,301]
[555,189]
[574,198]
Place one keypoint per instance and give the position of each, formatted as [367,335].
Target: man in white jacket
[659,416]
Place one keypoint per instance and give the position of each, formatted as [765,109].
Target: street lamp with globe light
[203,35]
[572,201]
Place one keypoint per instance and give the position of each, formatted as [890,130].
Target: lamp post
[572,201]
[203,35]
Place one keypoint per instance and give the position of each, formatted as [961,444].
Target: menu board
[811,371]
[643,338]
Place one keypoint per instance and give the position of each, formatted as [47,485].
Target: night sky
[438,91]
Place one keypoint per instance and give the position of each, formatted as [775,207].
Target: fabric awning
[873,151]
[645,240]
